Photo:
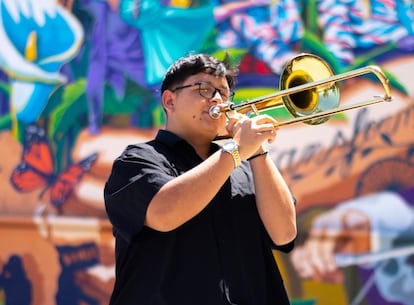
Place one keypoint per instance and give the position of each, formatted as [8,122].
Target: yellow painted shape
[180,3]
[31,47]
[324,294]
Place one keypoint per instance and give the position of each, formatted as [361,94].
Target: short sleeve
[137,175]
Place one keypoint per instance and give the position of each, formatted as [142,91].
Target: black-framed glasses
[209,91]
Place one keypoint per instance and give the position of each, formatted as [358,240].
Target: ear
[168,98]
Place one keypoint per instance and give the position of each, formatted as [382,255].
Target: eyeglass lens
[208,91]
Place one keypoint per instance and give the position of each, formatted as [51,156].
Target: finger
[307,270]
[300,262]
[266,127]
[327,255]
[272,136]
[263,126]
[236,117]
[234,121]
[315,260]
[266,124]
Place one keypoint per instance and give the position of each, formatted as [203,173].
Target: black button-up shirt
[223,255]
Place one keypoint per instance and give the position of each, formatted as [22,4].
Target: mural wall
[79,81]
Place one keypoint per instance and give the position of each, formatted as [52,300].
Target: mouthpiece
[214,112]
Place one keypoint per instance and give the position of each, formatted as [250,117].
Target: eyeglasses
[208,91]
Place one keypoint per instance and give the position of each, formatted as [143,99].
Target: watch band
[236,157]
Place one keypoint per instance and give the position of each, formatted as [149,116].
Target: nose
[217,97]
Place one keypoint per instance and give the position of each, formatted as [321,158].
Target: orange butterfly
[36,169]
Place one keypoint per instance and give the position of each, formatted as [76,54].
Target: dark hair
[192,64]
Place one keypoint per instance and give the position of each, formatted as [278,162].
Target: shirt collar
[168,138]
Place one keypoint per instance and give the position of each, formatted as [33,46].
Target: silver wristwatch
[232,148]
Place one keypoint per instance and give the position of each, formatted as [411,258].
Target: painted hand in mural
[343,231]
[362,231]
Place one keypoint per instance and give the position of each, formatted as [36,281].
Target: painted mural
[79,81]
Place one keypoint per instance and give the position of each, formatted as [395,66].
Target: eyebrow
[209,83]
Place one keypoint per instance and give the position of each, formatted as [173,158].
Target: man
[195,223]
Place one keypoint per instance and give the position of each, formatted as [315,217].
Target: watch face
[229,146]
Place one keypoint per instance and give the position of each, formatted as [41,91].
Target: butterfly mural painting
[36,169]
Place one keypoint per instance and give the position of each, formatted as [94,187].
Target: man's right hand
[251,133]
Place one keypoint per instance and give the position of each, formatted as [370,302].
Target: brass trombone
[310,92]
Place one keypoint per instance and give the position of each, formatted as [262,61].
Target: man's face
[189,114]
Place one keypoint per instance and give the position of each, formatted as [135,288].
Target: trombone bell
[305,69]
